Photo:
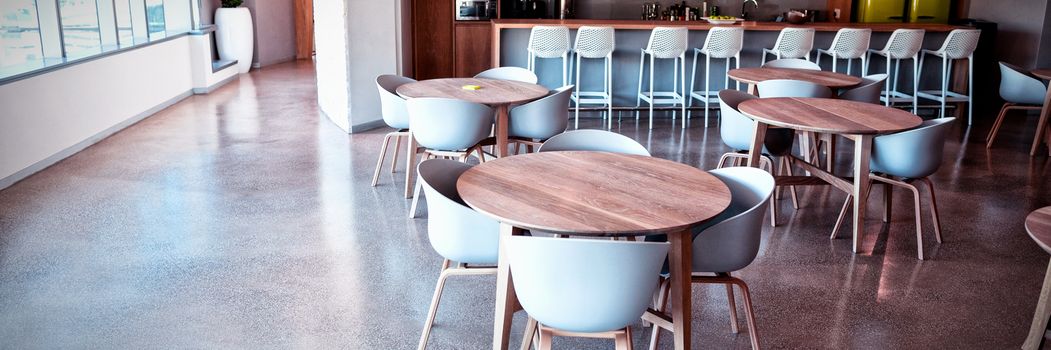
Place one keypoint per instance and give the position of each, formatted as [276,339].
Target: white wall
[357,41]
[50,116]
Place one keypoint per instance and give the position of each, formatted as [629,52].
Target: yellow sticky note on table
[471,87]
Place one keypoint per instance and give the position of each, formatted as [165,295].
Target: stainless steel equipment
[475,10]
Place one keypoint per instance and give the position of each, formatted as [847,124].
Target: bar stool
[849,44]
[792,43]
[664,43]
[594,42]
[549,42]
[903,44]
[960,44]
[722,42]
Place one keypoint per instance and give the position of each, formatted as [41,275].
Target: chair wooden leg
[887,201]
[733,308]
[545,339]
[919,222]
[934,210]
[529,334]
[792,189]
[753,330]
[415,197]
[661,305]
[434,305]
[623,340]
[394,157]
[996,125]
[383,154]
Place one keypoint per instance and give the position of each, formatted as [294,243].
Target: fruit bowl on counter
[722,19]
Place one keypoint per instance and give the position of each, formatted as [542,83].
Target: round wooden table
[753,76]
[498,94]
[1038,224]
[858,121]
[1043,125]
[595,194]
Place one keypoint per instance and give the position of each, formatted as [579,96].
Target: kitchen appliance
[795,16]
[915,11]
[475,10]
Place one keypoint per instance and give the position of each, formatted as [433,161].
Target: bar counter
[510,38]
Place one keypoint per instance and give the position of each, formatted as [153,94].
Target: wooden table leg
[755,153]
[862,151]
[752,90]
[506,301]
[410,165]
[1043,311]
[501,131]
[680,259]
[1041,125]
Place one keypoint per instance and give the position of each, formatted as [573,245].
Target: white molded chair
[737,130]
[960,44]
[448,128]
[730,242]
[534,122]
[594,42]
[792,43]
[509,73]
[869,91]
[549,42]
[1019,91]
[458,233]
[593,140]
[395,115]
[904,44]
[849,44]
[664,43]
[584,287]
[902,158]
[721,42]
[793,63]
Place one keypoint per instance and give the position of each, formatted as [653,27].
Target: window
[43,34]
[80,27]
[19,33]
[155,18]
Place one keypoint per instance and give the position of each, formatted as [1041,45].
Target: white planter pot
[233,36]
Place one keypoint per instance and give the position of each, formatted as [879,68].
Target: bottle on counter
[704,9]
[714,11]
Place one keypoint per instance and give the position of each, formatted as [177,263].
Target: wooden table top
[593,193]
[492,92]
[827,115]
[824,78]
[1044,73]
[1038,224]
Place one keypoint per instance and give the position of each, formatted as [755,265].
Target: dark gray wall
[1021,24]
[632,9]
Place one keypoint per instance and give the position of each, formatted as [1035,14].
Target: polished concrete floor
[244,219]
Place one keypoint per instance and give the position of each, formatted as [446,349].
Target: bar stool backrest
[1017,86]
[961,43]
[446,124]
[723,42]
[794,42]
[904,43]
[456,231]
[509,73]
[594,42]
[392,106]
[585,285]
[593,140]
[549,41]
[851,42]
[667,42]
